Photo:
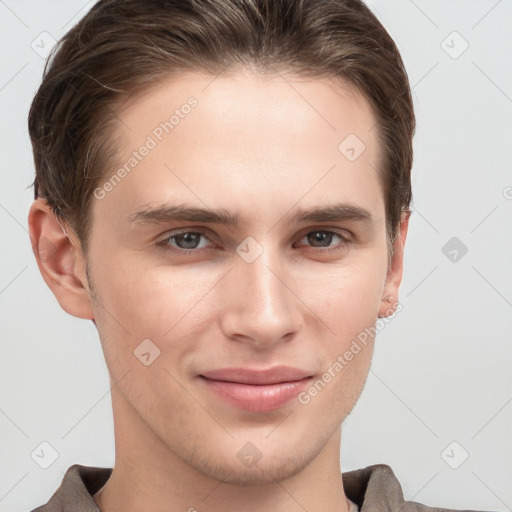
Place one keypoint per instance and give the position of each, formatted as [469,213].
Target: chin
[263,472]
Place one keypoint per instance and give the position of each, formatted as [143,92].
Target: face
[248,236]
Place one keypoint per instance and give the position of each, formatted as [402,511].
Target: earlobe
[395,270]
[388,300]
[60,260]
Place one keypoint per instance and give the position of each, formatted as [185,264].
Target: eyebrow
[168,213]
[333,213]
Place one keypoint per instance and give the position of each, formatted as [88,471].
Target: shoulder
[376,489]
[76,490]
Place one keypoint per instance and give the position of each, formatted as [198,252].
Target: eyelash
[164,243]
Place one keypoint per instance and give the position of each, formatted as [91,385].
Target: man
[223,187]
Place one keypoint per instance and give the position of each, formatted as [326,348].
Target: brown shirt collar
[374,489]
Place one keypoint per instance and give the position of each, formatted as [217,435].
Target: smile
[256,391]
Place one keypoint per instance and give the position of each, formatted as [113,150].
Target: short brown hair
[122,47]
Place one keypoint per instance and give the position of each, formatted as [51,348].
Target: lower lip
[257,398]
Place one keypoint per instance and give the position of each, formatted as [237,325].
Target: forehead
[247,101]
[271,137]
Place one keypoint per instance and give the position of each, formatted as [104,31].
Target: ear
[60,260]
[395,270]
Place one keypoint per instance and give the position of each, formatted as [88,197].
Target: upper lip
[274,375]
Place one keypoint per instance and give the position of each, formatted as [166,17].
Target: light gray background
[442,367]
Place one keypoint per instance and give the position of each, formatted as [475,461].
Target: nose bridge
[262,307]
[261,277]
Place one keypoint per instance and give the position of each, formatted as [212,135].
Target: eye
[185,241]
[190,242]
[323,240]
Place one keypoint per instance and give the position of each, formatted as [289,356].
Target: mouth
[256,390]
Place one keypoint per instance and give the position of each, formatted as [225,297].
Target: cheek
[349,305]
[165,305]
[346,297]
[333,394]
[149,298]
[346,358]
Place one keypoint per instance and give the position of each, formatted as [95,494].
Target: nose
[258,304]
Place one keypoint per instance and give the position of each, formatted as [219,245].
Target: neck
[147,475]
